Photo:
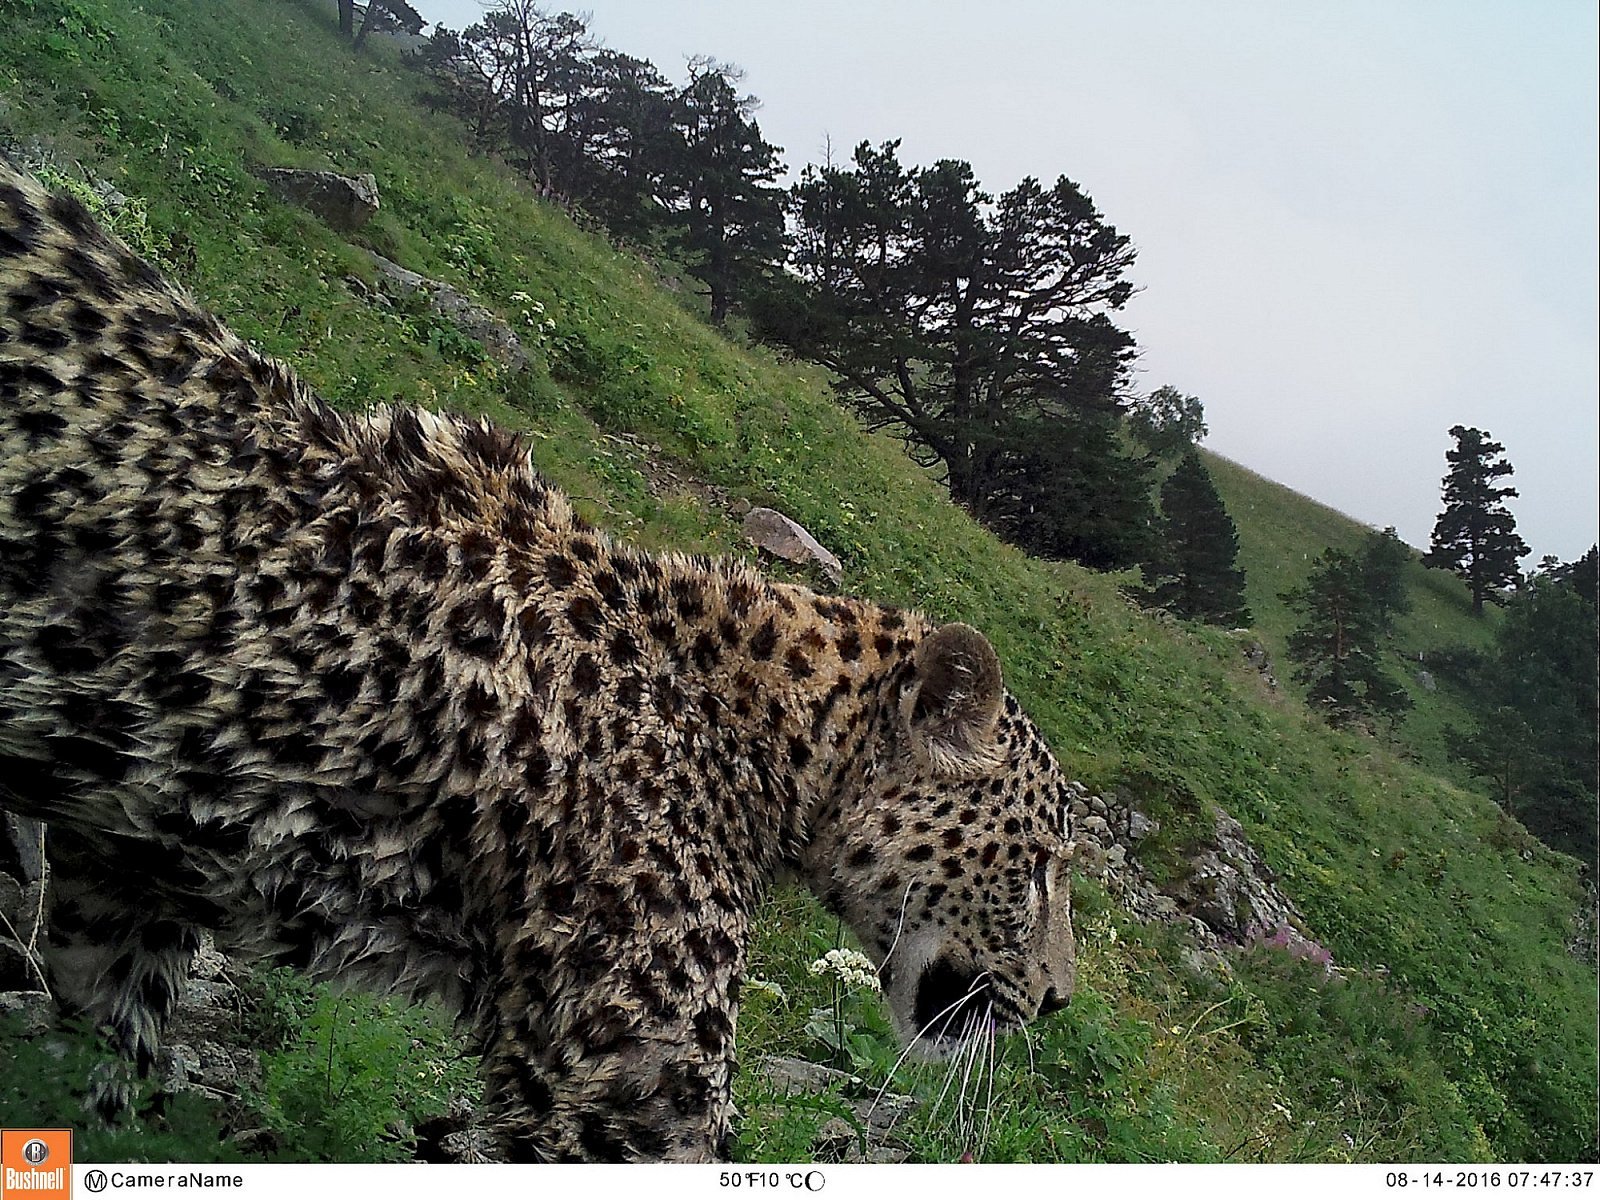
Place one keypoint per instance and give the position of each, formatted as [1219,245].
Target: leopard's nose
[1053,1001]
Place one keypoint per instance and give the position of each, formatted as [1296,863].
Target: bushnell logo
[35,1164]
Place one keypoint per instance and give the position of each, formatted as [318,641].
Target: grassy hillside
[1281,533]
[1461,1029]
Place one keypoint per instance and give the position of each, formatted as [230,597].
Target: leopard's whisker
[966,1114]
[988,1104]
[951,1066]
[977,985]
[900,925]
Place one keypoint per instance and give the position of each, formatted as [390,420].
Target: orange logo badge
[35,1164]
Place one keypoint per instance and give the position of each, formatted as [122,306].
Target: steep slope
[1280,535]
[1461,1027]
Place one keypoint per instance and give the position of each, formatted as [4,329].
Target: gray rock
[344,202]
[1581,943]
[209,962]
[1230,889]
[177,1065]
[21,933]
[788,539]
[38,1013]
[1141,826]
[837,1140]
[1089,858]
[10,898]
[1096,829]
[799,1075]
[1426,681]
[497,338]
[1256,655]
[23,838]
[15,970]
[1208,964]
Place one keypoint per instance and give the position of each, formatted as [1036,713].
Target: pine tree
[1476,535]
[721,184]
[1582,576]
[980,329]
[1383,563]
[1336,648]
[1167,421]
[1533,699]
[1195,571]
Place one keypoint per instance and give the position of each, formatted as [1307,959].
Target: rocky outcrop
[203,1051]
[1229,887]
[1224,890]
[1581,945]
[344,202]
[456,1136]
[789,540]
[496,337]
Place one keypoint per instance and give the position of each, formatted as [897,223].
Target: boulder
[497,338]
[456,1135]
[1231,889]
[1140,826]
[838,1140]
[344,202]
[1096,830]
[789,540]
[36,1008]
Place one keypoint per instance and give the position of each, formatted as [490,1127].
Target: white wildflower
[850,967]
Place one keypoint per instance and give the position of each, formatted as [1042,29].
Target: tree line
[979,327]
[677,166]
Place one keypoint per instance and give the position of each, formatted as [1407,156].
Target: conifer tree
[1476,535]
[980,329]
[1195,571]
[1167,421]
[1336,648]
[1582,576]
[721,184]
[1532,696]
[1383,562]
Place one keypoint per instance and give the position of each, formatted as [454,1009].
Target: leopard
[360,693]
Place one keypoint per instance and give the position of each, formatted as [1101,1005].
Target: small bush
[346,1077]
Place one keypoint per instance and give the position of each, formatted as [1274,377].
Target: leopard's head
[949,856]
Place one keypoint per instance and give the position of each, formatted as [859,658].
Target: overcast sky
[1358,223]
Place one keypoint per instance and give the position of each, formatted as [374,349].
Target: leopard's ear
[954,699]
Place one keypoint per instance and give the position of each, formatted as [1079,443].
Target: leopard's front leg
[617,1048]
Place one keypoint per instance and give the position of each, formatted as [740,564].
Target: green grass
[1463,1029]
[1281,533]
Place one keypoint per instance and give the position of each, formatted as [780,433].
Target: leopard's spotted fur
[363,695]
